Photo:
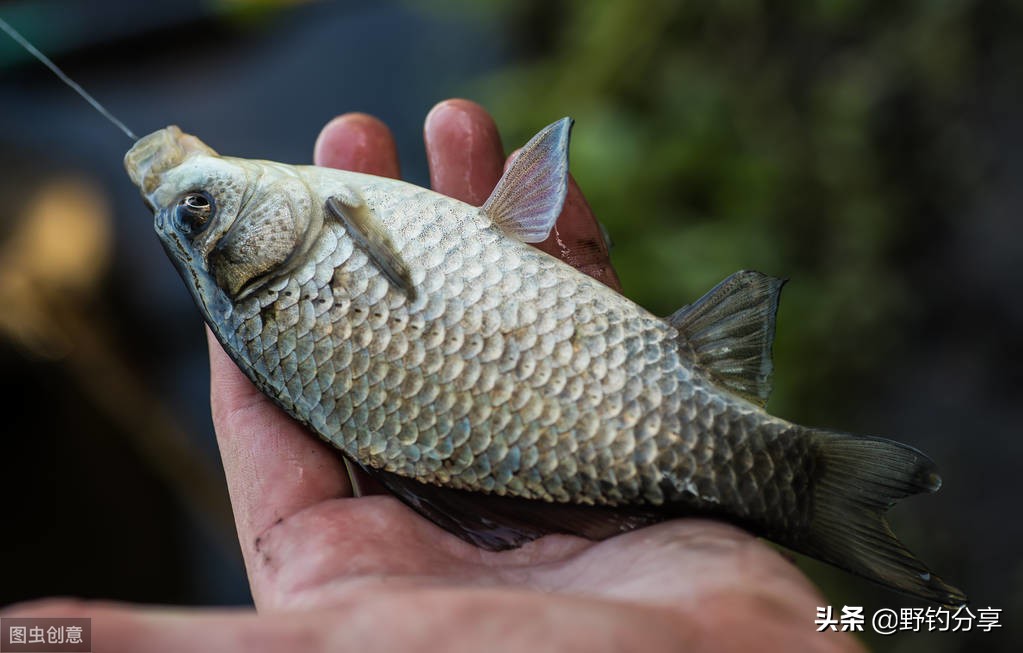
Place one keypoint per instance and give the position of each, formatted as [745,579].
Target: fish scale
[495,389]
[558,359]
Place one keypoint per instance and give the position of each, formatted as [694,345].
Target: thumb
[118,628]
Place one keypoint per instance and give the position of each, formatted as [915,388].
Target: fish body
[497,390]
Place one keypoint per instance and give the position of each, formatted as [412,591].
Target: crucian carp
[496,390]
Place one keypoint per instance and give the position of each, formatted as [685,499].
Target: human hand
[332,572]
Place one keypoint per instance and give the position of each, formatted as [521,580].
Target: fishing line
[13,33]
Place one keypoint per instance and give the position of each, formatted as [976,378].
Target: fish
[496,390]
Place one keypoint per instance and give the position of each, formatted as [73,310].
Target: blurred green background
[871,152]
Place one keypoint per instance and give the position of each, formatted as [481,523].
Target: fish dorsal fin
[371,237]
[528,198]
[728,332]
[496,523]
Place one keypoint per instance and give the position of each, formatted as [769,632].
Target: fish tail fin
[857,480]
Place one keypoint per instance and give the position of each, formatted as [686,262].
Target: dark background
[869,151]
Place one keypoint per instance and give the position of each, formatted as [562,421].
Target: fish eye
[193,211]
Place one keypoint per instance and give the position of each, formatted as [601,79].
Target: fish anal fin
[527,200]
[729,331]
[371,237]
[496,522]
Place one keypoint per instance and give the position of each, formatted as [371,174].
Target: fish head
[229,225]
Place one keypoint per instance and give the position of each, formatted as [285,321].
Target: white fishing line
[13,33]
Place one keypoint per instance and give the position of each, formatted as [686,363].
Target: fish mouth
[156,153]
[212,302]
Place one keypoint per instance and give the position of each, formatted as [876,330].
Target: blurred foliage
[807,140]
[254,12]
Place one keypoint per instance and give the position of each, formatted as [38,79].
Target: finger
[357,142]
[471,620]
[361,143]
[466,161]
[477,619]
[713,558]
[120,628]
[578,239]
[274,467]
[735,585]
[463,149]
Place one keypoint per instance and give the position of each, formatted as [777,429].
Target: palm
[376,544]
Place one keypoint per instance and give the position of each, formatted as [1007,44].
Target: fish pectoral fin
[528,199]
[496,523]
[371,237]
[729,331]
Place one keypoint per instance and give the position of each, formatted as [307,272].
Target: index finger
[578,240]
[465,156]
